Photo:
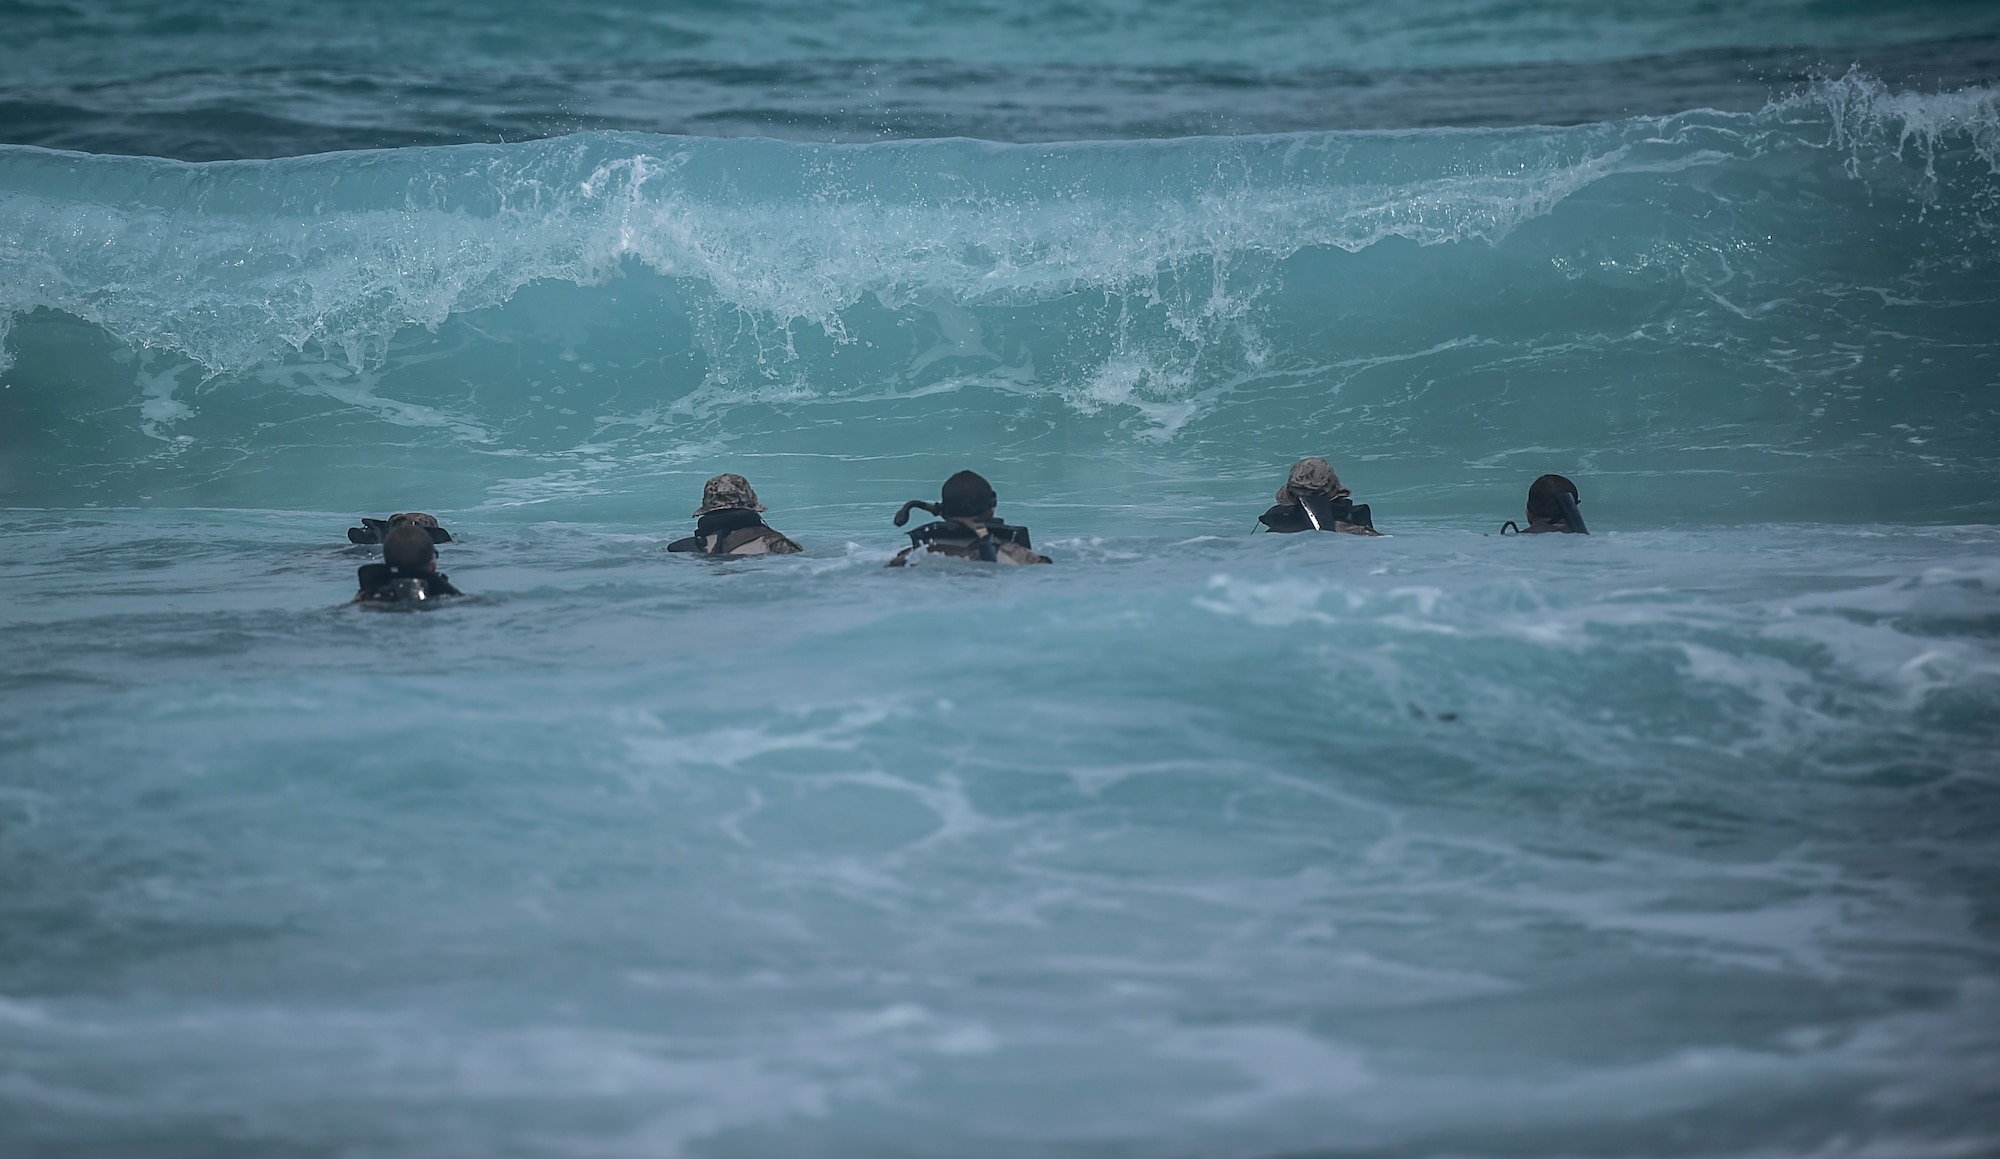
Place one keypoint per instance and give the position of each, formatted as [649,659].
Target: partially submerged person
[372,530]
[408,571]
[1312,499]
[728,523]
[1552,504]
[966,527]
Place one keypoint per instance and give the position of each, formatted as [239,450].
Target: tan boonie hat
[726,491]
[1311,477]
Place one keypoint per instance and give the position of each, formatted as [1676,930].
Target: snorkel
[966,495]
[902,516]
[984,541]
[1570,514]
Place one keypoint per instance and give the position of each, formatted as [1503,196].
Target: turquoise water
[1679,839]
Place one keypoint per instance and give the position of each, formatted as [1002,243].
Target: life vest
[1318,513]
[734,531]
[989,540]
[380,583]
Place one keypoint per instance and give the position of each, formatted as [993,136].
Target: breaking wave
[1668,277]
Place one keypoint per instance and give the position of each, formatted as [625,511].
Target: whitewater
[1678,839]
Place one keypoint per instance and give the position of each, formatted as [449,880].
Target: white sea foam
[234,264]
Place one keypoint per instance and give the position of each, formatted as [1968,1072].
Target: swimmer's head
[1545,503]
[725,492]
[408,547]
[967,494]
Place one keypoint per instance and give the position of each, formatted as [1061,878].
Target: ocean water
[1680,839]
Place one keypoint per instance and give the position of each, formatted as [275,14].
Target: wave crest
[237,263]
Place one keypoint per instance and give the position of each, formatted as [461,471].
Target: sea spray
[1660,285]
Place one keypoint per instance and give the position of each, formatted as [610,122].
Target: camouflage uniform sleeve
[1018,554]
[755,541]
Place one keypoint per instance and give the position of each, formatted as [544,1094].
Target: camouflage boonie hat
[416,517]
[1311,477]
[726,491]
